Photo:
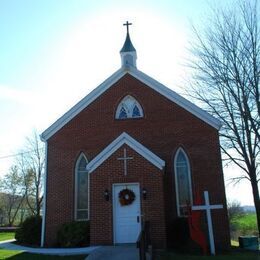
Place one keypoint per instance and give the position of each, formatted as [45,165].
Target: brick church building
[132,150]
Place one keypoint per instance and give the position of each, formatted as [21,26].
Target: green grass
[18,255]
[246,224]
[14,254]
[6,236]
[8,254]
[230,256]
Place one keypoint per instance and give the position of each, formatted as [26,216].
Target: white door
[127,224]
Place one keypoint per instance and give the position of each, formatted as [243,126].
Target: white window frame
[129,110]
[176,181]
[76,189]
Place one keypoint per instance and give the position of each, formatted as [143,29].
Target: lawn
[246,224]
[13,255]
[230,256]
[17,255]
[6,236]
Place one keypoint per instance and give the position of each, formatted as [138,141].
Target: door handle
[138,219]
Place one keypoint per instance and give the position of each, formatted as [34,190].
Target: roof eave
[152,83]
[122,139]
[83,103]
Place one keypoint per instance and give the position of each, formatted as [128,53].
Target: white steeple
[128,52]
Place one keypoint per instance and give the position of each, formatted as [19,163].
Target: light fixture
[144,192]
[106,195]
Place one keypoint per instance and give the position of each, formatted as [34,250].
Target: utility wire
[18,154]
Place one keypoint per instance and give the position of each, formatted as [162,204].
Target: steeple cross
[125,159]
[127,24]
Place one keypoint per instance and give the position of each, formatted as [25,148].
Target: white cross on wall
[125,159]
[208,209]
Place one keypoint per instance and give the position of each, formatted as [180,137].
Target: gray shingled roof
[128,46]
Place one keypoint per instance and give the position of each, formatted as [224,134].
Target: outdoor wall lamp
[106,195]
[144,192]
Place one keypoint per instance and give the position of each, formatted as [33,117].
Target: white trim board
[82,104]
[176,98]
[44,196]
[124,138]
[150,82]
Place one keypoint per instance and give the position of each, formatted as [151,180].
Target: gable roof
[150,82]
[122,139]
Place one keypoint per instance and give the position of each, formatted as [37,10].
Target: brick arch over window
[129,107]
[183,185]
[81,189]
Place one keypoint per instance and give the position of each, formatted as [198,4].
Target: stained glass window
[183,182]
[136,111]
[81,189]
[123,113]
[129,108]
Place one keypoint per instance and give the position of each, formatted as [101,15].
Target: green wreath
[126,197]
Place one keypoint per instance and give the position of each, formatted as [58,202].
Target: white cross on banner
[208,209]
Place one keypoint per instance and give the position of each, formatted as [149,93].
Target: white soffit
[150,82]
[124,138]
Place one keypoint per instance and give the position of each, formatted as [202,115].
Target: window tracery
[81,189]
[182,182]
[129,108]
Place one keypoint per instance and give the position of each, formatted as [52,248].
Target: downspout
[44,193]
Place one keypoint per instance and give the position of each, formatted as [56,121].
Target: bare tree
[234,210]
[31,166]
[12,195]
[226,71]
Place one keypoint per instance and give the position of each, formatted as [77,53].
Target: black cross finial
[127,24]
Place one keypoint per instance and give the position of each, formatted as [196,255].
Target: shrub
[179,237]
[179,234]
[30,231]
[74,234]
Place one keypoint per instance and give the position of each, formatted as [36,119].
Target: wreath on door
[126,197]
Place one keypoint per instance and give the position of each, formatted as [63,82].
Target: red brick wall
[139,170]
[164,128]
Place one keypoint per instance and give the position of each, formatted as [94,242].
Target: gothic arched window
[182,182]
[129,108]
[81,189]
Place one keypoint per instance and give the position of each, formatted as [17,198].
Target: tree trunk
[255,190]
[37,201]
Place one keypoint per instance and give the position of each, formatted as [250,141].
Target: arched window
[129,108]
[81,189]
[182,182]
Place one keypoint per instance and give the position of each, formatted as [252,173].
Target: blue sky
[54,52]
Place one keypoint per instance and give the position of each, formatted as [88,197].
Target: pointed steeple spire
[128,52]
